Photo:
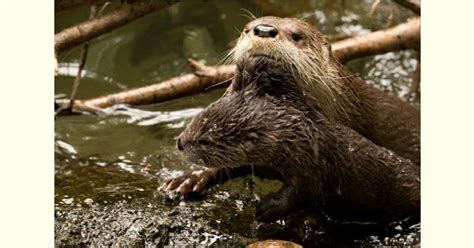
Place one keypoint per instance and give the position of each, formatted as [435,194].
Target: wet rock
[134,225]
[274,244]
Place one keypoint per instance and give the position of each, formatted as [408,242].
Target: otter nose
[179,145]
[265,31]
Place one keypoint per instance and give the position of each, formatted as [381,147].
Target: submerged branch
[403,36]
[91,29]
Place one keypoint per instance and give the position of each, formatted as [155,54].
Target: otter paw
[191,182]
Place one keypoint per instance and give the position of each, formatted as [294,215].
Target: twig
[85,49]
[413,5]
[64,5]
[373,7]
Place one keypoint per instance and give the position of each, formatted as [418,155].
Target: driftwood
[403,36]
[91,29]
[400,37]
[202,78]
[413,5]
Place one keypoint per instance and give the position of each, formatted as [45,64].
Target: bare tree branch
[120,16]
[413,5]
[405,35]
[188,84]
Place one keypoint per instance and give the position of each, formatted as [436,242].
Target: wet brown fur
[269,123]
[386,120]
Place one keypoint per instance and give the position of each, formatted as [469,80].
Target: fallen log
[403,36]
[120,16]
[202,78]
[400,37]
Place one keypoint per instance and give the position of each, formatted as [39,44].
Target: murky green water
[124,154]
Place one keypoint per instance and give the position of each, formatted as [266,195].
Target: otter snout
[265,31]
[183,142]
[179,144]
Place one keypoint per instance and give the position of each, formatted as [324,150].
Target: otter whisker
[306,16]
[344,77]
[219,84]
[250,14]
[225,55]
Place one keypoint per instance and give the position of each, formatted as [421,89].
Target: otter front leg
[277,205]
[197,180]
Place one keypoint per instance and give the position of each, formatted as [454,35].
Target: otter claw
[173,184]
[191,182]
[185,186]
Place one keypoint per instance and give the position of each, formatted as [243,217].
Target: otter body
[269,123]
[384,119]
[337,143]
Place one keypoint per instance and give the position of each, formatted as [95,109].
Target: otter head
[302,49]
[290,40]
[256,124]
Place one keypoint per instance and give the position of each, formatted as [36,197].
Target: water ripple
[149,118]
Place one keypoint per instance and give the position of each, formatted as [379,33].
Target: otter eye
[296,37]
[246,30]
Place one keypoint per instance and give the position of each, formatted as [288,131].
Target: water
[124,154]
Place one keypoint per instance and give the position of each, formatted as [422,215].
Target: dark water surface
[118,160]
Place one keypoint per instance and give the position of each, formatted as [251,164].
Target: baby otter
[270,123]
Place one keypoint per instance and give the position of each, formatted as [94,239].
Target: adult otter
[385,120]
[270,123]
